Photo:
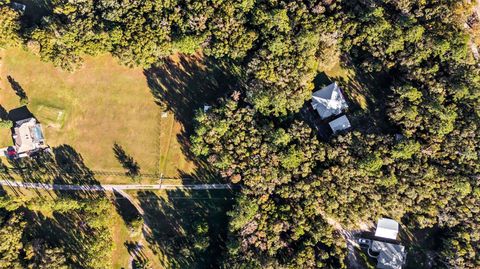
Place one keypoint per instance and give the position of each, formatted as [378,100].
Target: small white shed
[387,228]
[340,124]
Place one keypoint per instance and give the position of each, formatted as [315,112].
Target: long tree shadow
[75,230]
[127,161]
[72,170]
[186,84]
[189,228]
[127,211]
[3,113]
[18,89]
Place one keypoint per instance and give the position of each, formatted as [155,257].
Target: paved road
[108,187]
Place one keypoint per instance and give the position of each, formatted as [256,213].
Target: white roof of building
[391,256]
[329,101]
[339,124]
[28,136]
[387,228]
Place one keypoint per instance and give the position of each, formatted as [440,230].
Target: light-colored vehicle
[364,242]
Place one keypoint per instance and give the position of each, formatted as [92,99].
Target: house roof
[391,256]
[28,135]
[329,101]
[387,228]
[339,124]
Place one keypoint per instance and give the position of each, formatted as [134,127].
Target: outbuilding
[390,256]
[340,124]
[387,228]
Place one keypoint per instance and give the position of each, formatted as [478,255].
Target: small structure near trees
[340,124]
[387,228]
[384,247]
[19,6]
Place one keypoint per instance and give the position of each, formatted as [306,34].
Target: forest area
[293,183]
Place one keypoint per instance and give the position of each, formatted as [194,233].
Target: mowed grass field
[91,109]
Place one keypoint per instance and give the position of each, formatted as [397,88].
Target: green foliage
[39,255]
[268,163]
[188,44]
[248,211]
[6,124]
[9,26]
[405,150]
[372,162]
[83,236]
[239,138]
[293,183]
[11,233]
[462,247]
[142,264]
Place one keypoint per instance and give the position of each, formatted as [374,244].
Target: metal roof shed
[340,124]
[387,228]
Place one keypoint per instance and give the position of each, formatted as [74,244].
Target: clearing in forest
[104,103]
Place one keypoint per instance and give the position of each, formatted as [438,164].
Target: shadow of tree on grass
[127,161]
[187,84]
[18,89]
[126,210]
[189,228]
[184,85]
[73,170]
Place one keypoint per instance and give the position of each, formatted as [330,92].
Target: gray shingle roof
[329,101]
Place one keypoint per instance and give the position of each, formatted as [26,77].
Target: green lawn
[101,104]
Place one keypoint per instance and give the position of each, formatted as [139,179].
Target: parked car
[364,242]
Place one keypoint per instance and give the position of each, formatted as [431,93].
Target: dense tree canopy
[9,26]
[297,189]
[83,236]
[275,215]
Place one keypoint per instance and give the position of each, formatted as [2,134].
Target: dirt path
[350,239]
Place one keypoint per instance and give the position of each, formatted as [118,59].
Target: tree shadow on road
[73,170]
[127,211]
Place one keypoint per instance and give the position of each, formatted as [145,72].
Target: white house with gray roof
[28,137]
[329,101]
[384,247]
